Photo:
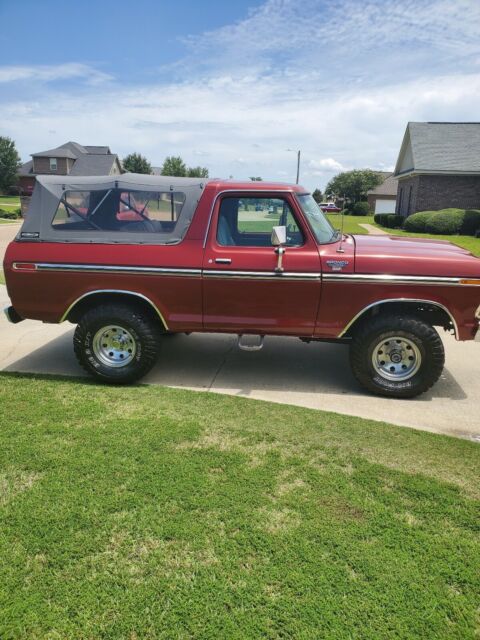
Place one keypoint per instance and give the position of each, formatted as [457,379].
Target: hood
[413,256]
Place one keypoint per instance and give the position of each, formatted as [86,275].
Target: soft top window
[119,211]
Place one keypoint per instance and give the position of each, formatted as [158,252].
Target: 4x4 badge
[337,265]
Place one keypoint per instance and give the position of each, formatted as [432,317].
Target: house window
[53,164]
[400,197]
[409,200]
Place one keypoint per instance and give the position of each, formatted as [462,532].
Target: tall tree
[317,196]
[136,163]
[197,172]
[174,166]
[354,184]
[9,163]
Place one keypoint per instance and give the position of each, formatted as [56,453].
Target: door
[242,291]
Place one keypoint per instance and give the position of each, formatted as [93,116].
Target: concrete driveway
[287,371]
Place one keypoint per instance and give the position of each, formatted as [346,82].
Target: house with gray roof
[383,198]
[438,167]
[70,159]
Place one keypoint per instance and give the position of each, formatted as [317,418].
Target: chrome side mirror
[279,238]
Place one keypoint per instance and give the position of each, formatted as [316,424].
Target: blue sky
[233,85]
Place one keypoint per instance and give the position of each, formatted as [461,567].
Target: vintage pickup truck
[128,258]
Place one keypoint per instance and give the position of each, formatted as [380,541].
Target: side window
[119,211]
[248,222]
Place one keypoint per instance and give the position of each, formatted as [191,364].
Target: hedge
[389,220]
[445,222]
[12,214]
[360,209]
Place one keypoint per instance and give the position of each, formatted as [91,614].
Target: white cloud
[337,80]
[42,73]
[325,165]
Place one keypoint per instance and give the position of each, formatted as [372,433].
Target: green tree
[256,179]
[9,163]
[136,163]
[174,166]
[354,184]
[317,196]
[197,172]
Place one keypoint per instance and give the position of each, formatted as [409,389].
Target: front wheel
[397,357]
[116,343]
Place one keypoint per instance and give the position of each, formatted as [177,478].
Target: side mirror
[279,236]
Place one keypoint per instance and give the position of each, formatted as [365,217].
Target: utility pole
[298,163]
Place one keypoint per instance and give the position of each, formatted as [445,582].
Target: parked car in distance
[329,207]
[128,258]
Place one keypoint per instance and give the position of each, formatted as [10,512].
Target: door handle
[223,260]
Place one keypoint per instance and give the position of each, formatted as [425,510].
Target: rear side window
[119,211]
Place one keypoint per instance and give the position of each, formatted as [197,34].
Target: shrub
[12,214]
[389,220]
[417,221]
[471,222]
[360,209]
[446,221]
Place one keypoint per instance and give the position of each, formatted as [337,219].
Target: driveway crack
[221,365]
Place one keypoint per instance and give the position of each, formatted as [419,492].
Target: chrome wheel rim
[114,346]
[396,358]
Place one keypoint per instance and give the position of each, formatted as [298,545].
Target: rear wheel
[116,343]
[397,357]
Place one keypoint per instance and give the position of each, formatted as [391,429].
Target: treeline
[172,166]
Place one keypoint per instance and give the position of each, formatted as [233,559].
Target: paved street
[286,370]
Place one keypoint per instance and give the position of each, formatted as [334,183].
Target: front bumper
[12,315]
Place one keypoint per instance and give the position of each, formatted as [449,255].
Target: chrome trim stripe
[122,291]
[95,268]
[262,275]
[389,279]
[379,302]
[363,278]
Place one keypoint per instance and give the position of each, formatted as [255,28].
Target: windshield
[321,227]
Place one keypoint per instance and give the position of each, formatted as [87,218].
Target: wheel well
[134,300]
[430,312]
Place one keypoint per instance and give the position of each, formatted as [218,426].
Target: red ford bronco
[127,258]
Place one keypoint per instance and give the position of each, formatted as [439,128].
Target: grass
[146,512]
[2,277]
[351,224]
[9,201]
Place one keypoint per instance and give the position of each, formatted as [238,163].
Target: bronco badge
[337,265]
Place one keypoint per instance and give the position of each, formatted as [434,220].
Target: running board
[249,342]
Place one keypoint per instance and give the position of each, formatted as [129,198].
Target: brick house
[70,159]
[438,167]
[383,198]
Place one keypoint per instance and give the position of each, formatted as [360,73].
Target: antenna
[340,247]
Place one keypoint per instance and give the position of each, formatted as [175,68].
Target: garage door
[385,206]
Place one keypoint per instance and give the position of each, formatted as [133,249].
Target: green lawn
[146,512]
[351,223]
[2,277]
[12,201]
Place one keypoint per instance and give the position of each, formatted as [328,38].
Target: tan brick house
[438,167]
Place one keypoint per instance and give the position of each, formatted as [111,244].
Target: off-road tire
[429,344]
[144,330]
